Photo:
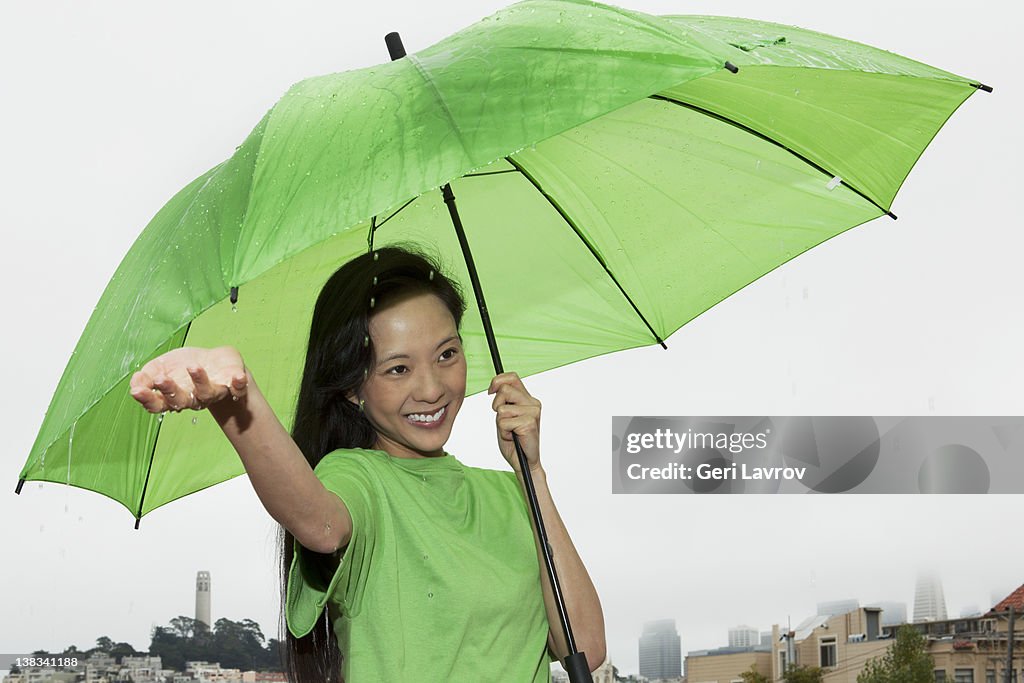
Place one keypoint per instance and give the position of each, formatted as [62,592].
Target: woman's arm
[581,601]
[193,378]
[519,412]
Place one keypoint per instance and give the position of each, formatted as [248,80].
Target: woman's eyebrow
[396,356]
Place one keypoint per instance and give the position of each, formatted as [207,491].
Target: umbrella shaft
[478,292]
[531,493]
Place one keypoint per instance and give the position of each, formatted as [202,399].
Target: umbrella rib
[589,246]
[474,175]
[152,452]
[395,213]
[798,155]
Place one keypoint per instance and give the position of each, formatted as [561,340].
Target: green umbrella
[616,173]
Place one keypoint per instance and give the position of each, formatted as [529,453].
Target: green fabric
[440,580]
[614,180]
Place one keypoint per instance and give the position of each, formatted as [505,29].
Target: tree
[905,661]
[803,674]
[121,650]
[184,627]
[752,675]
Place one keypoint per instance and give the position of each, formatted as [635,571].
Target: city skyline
[656,629]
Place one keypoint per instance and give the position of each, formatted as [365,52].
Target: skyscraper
[203,598]
[660,651]
[929,601]
[743,636]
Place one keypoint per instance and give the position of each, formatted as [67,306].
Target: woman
[398,562]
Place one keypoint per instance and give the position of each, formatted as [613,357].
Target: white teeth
[417,417]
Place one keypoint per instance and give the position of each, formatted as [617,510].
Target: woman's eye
[449,353]
[397,370]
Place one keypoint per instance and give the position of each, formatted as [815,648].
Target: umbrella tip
[17,489]
[982,86]
[732,67]
[890,214]
[395,47]
[137,520]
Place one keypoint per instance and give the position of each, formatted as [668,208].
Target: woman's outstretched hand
[190,378]
[519,412]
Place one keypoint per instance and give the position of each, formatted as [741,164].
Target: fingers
[158,394]
[509,389]
[189,378]
[239,385]
[503,379]
[522,423]
[143,390]
[175,397]
[203,391]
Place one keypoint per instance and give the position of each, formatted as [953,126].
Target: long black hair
[338,358]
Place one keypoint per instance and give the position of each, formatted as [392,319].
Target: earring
[361,403]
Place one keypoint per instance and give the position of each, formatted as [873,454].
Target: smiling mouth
[428,418]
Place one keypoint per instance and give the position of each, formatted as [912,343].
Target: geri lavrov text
[662,440]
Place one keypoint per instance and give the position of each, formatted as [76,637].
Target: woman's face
[415,388]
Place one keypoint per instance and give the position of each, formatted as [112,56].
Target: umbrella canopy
[616,173]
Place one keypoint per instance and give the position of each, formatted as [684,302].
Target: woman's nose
[430,388]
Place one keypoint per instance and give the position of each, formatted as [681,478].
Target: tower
[744,636]
[929,602]
[203,598]
[660,652]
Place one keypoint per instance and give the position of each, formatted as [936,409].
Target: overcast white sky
[111,107]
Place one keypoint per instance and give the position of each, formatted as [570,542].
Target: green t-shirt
[440,580]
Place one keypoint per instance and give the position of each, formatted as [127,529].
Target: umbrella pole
[575,663]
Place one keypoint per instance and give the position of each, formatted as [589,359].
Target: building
[840,644]
[724,664]
[744,636]
[660,650]
[837,607]
[203,599]
[929,600]
[965,650]
[893,613]
[974,649]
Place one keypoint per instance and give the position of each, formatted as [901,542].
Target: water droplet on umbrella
[160,417]
[195,420]
[234,308]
